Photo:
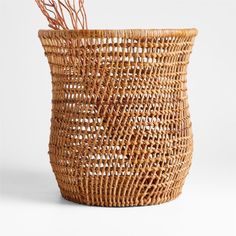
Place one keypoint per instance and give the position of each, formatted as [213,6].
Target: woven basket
[120,128]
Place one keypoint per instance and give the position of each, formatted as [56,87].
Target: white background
[30,203]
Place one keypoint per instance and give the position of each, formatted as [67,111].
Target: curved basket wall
[120,128]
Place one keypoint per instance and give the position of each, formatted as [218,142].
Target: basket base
[126,202]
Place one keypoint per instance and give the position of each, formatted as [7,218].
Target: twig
[55,12]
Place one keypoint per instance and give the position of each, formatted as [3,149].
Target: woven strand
[120,129]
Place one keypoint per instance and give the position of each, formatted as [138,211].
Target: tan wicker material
[120,128]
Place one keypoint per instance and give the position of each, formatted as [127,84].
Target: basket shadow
[25,185]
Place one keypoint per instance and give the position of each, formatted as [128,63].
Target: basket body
[120,127]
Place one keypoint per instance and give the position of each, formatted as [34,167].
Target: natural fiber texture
[120,128]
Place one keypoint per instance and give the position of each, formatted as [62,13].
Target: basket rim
[185,32]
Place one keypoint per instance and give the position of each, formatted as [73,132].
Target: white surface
[30,203]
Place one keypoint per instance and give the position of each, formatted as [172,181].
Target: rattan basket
[120,127]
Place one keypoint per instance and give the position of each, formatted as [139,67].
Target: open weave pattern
[120,128]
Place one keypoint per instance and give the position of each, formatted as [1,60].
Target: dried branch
[58,11]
